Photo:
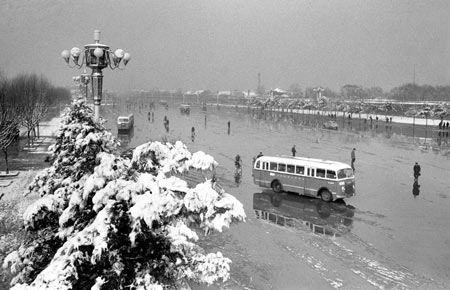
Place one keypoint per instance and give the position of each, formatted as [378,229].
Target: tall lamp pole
[85,79]
[319,91]
[96,56]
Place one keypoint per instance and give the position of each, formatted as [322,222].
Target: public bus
[125,122]
[325,179]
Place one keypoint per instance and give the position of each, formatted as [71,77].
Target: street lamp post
[96,56]
[85,79]
[319,91]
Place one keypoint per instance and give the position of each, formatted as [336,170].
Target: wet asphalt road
[383,238]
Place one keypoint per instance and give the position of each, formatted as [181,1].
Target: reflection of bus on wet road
[125,138]
[328,180]
[295,211]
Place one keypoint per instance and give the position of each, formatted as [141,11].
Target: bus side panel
[293,183]
[309,186]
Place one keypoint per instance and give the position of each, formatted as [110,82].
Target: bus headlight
[343,188]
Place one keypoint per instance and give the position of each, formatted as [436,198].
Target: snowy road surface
[383,238]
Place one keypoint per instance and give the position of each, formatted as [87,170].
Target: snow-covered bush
[107,222]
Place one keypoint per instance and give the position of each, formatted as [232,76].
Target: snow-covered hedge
[105,222]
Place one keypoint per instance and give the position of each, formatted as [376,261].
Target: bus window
[265,166]
[273,166]
[257,164]
[331,174]
[300,170]
[320,172]
[282,167]
[291,168]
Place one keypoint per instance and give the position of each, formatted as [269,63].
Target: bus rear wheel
[326,195]
[276,186]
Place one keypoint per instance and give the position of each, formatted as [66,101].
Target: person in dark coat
[193,134]
[353,156]
[416,170]
[293,151]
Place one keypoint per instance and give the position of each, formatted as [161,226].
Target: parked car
[332,125]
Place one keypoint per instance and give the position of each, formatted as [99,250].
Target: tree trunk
[38,133]
[5,151]
[29,138]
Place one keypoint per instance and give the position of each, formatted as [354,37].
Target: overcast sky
[223,45]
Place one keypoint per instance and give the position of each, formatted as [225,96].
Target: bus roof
[304,161]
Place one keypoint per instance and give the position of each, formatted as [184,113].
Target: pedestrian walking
[166,124]
[259,155]
[193,134]
[416,169]
[229,125]
[353,156]
[293,151]
[238,162]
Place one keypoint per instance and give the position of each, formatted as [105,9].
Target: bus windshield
[345,173]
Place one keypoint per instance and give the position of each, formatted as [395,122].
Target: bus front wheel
[326,195]
[276,186]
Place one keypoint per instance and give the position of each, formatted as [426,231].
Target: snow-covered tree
[10,119]
[107,222]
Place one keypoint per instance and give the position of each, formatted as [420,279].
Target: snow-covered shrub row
[105,222]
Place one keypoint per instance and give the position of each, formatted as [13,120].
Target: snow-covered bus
[325,179]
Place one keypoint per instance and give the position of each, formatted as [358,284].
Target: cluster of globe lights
[96,56]
[103,55]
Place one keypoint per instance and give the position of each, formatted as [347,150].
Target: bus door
[260,172]
[264,179]
[310,181]
[300,172]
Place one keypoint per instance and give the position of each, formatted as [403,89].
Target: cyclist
[238,162]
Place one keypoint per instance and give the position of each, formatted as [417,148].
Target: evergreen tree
[107,222]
